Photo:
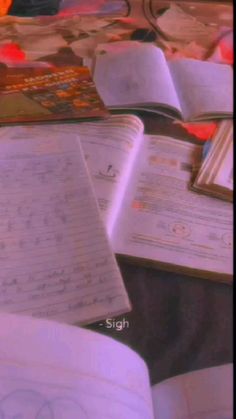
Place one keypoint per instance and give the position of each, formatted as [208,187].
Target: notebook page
[110,147]
[129,74]
[163,221]
[203,88]
[55,260]
[202,394]
[53,371]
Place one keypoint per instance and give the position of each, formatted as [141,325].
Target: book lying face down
[48,94]
[55,258]
[49,370]
[134,75]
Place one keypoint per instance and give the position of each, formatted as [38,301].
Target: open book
[49,370]
[142,183]
[215,176]
[55,258]
[136,75]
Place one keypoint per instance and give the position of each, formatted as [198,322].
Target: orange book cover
[48,94]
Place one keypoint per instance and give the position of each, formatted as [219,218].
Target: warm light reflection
[203,131]
[11,52]
[4,6]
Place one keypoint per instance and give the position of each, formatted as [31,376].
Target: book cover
[48,94]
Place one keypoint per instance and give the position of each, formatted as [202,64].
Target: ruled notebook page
[56,371]
[55,259]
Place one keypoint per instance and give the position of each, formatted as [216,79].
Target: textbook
[135,75]
[55,258]
[48,94]
[215,176]
[50,370]
[143,188]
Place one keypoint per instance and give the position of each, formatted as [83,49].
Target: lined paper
[55,371]
[55,260]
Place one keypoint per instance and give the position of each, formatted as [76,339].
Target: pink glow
[227,52]
[203,131]
[11,53]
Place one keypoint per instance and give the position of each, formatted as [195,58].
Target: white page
[39,45]
[180,26]
[203,88]
[130,74]
[164,221]
[110,147]
[52,371]
[55,259]
[224,177]
[202,394]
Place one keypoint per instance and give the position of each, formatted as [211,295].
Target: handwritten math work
[55,260]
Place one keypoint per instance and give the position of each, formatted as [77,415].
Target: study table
[177,323]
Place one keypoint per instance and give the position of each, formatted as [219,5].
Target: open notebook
[54,371]
[133,75]
[142,186]
[55,258]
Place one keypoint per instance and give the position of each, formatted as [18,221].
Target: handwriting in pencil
[29,404]
[47,218]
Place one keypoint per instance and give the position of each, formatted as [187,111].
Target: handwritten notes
[55,260]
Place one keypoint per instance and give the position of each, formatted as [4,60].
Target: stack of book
[215,176]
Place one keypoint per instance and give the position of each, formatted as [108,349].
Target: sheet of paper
[164,221]
[128,74]
[202,394]
[176,24]
[110,147]
[55,259]
[52,371]
[37,46]
[203,88]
